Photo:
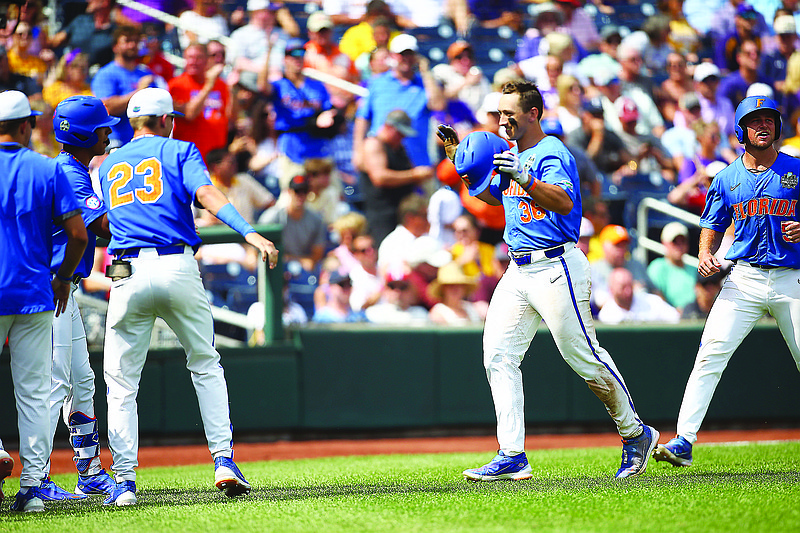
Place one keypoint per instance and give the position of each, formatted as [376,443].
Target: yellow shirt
[484,264]
[358,40]
[31,66]
[54,93]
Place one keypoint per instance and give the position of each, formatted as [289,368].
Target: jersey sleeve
[91,205]
[716,214]
[194,170]
[64,204]
[552,170]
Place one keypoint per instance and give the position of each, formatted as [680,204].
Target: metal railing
[645,243]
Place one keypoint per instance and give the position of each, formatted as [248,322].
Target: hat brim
[406,131]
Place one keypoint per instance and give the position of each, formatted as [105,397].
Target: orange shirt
[210,129]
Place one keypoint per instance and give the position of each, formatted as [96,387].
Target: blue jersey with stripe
[92,208]
[756,204]
[148,187]
[528,226]
[34,193]
[294,106]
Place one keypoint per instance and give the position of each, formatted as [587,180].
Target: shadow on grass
[210,497]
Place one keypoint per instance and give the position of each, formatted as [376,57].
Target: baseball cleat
[49,491]
[28,502]
[228,478]
[6,467]
[677,451]
[636,452]
[124,493]
[99,483]
[502,466]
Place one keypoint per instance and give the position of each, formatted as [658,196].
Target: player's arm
[360,127]
[99,226]
[218,205]
[710,241]
[546,195]
[488,197]
[377,167]
[76,245]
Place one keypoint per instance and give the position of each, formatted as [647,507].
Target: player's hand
[708,264]
[510,163]
[791,230]
[144,82]
[265,246]
[449,138]
[61,291]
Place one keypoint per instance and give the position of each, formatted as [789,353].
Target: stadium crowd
[320,116]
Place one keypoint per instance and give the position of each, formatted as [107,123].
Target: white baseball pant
[29,338]
[556,290]
[168,286]
[746,296]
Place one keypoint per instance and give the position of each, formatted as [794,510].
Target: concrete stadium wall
[361,379]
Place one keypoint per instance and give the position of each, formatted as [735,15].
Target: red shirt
[159,65]
[210,129]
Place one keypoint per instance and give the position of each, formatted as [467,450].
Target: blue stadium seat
[230,285]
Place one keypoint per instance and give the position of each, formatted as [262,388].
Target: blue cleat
[228,478]
[503,466]
[6,467]
[636,452]
[29,502]
[124,493]
[99,483]
[677,451]
[49,492]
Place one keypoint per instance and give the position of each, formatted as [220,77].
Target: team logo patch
[64,125]
[789,181]
[136,109]
[93,202]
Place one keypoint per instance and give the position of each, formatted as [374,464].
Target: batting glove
[450,139]
[508,162]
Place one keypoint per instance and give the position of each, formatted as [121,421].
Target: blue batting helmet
[76,118]
[475,159]
[751,104]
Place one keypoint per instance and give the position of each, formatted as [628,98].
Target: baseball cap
[151,101]
[458,48]
[491,103]
[257,5]
[551,126]
[746,11]
[337,278]
[299,183]
[403,42]
[673,230]
[608,31]
[294,45]
[399,119]
[604,78]
[536,10]
[593,105]
[760,89]
[706,70]
[587,228]
[689,100]
[784,24]
[14,105]
[614,234]
[249,80]
[318,20]
[627,109]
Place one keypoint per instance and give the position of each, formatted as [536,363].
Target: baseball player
[34,193]
[149,186]
[548,279]
[758,192]
[82,125]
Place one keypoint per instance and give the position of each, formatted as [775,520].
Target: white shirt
[395,247]
[646,307]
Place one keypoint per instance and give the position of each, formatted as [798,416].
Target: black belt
[130,253]
[754,265]
[525,258]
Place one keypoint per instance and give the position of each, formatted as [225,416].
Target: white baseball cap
[151,101]
[14,105]
[403,42]
[673,230]
[705,70]
[784,24]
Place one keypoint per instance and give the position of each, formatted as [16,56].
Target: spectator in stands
[628,305]
[377,63]
[323,54]
[683,37]
[248,196]
[545,18]
[560,58]
[304,118]
[324,189]
[345,230]
[578,24]
[734,85]
[726,54]
[606,59]
[367,283]
[91,32]
[630,72]
[262,39]
[461,78]
[488,114]
[476,258]
[444,207]
[205,21]
[587,171]
[596,211]
[22,61]
[658,47]
[304,233]
[402,87]
[376,29]
[43,139]
[116,82]
[16,82]
[603,146]
[650,158]
[352,12]
[680,140]
[32,14]
[678,83]
[337,308]
[714,109]
[705,291]
[672,278]
[154,55]
[204,99]
[398,303]
[486,13]
[70,78]
[697,172]
[774,63]
[389,175]
[264,162]
[570,103]
[615,242]
[451,290]
[724,20]
[396,248]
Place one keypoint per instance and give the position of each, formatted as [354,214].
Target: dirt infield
[187,455]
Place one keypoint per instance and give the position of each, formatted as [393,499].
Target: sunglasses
[397,285]
[299,52]
[345,285]
[32,121]
[364,250]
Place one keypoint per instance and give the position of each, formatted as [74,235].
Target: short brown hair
[9,127]
[529,95]
[322,165]
[125,30]
[148,121]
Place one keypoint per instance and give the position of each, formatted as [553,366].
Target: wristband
[230,216]
[62,278]
[532,185]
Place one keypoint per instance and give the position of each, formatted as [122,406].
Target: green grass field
[740,488]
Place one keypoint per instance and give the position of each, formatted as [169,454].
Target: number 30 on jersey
[123,172]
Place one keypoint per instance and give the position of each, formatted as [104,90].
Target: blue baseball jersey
[294,106]
[115,80]
[34,193]
[756,204]
[528,226]
[148,187]
[91,206]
